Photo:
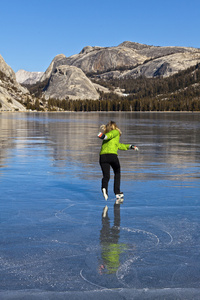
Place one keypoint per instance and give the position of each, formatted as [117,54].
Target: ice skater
[110,134]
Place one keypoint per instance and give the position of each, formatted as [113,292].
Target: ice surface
[55,244]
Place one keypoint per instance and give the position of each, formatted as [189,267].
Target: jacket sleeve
[111,134]
[123,146]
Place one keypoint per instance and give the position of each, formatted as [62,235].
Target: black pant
[107,160]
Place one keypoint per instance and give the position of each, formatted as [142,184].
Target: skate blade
[119,201]
[105,210]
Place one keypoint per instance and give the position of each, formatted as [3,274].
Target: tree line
[124,105]
[143,87]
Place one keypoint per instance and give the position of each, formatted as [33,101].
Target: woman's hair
[110,126]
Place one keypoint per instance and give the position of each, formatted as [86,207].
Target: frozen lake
[54,243]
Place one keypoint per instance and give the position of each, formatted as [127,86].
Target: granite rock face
[11,92]
[6,69]
[106,59]
[69,81]
[132,60]
[129,60]
[164,66]
[25,77]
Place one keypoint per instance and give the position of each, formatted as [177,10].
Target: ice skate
[105,194]
[119,198]
[120,195]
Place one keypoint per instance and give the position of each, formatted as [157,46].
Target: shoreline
[68,111]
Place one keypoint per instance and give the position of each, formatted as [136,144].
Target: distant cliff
[133,60]
[12,94]
[26,77]
[69,81]
[127,61]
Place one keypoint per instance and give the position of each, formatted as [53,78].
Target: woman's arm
[108,136]
[127,146]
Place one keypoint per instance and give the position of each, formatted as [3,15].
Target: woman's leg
[105,167]
[117,173]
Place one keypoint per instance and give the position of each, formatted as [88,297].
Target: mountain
[131,60]
[61,81]
[26,77]
[70,82]
[163,66]
[96,72]
[102,64]
[12,94]
[94,59]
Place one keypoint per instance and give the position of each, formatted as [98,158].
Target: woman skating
[109,157]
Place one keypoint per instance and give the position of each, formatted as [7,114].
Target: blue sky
[34,32]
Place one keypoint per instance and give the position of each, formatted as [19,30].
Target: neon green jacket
[111,143]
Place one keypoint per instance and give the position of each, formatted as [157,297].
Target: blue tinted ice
[54,243]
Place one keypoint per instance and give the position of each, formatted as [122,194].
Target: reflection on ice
[110,246]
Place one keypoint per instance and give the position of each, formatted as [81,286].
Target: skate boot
[119,198]
[105,194]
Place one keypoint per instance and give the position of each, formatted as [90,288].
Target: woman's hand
[134,147]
